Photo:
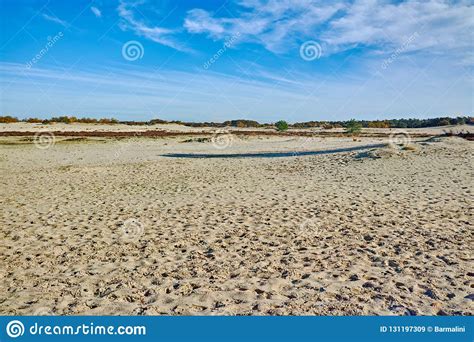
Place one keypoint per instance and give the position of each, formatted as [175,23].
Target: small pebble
[430,294]
[367,237]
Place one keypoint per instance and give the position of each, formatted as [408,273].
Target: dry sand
[103,226]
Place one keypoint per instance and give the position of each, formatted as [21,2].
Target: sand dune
[123,227]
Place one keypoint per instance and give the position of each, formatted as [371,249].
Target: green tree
[353,127]
[281,125]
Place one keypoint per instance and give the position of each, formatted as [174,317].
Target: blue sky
[297,60]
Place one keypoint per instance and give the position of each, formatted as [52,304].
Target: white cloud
[55,19]
[441,25]
[160,35]
[271,24]
[96,11]
[280,25]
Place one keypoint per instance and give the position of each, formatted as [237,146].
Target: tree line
[393,123]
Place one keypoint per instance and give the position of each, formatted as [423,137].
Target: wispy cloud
[206,95]
[272,24]
[160,35]
[55,19]
[280,25]
[442,25]
[97,12]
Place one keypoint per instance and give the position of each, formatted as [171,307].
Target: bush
[241,123]
[281,125]
[108,121]
[87,120]
[73,119]
[157,122]
[64,119]
[8,119]
[353,127]
[379,124]
[34,120]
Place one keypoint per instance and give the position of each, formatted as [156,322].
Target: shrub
[8,119]
[33,120]
[157,122]
[64,119]
[379,124]
[241,123]
[87,120]
[353,127]
[108,121]
[281,125]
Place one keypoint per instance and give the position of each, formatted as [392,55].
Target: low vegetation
[281,125]
[349,125]
[58,119]
[8,119]
[394,123]
[73,119]
[353,127]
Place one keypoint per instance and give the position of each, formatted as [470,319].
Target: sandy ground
[103,226]
[38,127]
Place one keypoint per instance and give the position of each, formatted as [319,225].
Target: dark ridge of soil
[161,133]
